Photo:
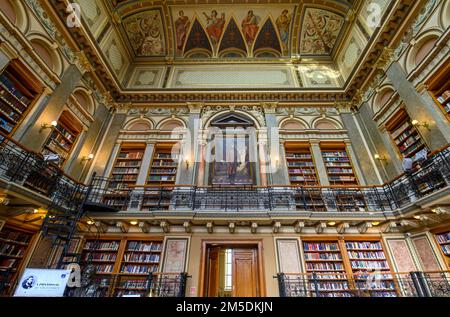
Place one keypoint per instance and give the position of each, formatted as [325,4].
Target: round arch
[47,51]
[290,122]
[424,45]
[325,123]
[384,94]
[84,97]
[170,124]
[139,124]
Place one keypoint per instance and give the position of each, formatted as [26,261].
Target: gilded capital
[195,107]
[269,107]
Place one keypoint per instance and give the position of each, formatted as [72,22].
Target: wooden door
[213,272]
[245,277]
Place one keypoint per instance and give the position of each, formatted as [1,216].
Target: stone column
[420,109]
[200,176]
[34,137]
[190,154]
[363,155]
[319,163]
[145,164]
[355,163]
[378,141]
[72,159]
[264,162]
[111,160]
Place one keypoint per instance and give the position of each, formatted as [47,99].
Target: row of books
[128,164]
[163,171]
[106,245]
[357,264]
[161,178]
[323,256]
[11,88]
[332,266]
[144,246]
[321,246]
[125,170]
[135,284]
[15,236]
[101,256]
[374,285]
[303,171]
[11,249]
[296,156]
[366,255]
[444,237]
[5,125]
[145,258]
[329,286]
[131,155]
[104,268]
[446,249]
[342,178]
[401,129]
[334,154]
[405,135]
[364,245]
[64,132]
[408,143]
[167,156]
[139,269]
[340,170]
[7,263]
[124,177]
[301,178]
[164,163]
[304,164]
[334,164]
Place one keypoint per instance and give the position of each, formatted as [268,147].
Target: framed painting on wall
[175,255]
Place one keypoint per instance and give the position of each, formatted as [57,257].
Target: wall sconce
[90,222]
[186,162]
[133,222]
[379,158]
[418,124]
[48,126]
[87,158]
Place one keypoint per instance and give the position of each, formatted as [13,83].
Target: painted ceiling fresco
[233,31]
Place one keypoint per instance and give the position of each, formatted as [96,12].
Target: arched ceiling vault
[321,43]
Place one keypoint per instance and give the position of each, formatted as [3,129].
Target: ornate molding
[269,107]
[195,107]
[82,63]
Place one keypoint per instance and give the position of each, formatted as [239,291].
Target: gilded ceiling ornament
[82,62]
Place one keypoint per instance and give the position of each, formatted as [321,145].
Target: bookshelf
[17,93]
[103,254]
[439,88]
[338,164]
[124,173]
[443,240]
[14,245]
[325,258]
[300,163]
[124,266]
[162,173]
[63,137]
[366,257]
[405,136]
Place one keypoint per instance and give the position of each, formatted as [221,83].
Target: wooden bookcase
[18,91]
[300,164]
[338,164]
[162,175]
[325,258]
[366,257]
[124,173]
[62,139]
[336,259]
[14,247]
[404,135]
[129,260]
[443,240]
[439,88]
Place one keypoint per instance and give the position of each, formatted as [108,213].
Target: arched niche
[47,52]
[16,13]
[382,98]
[293,124]
[139,124]
[326,124]
[171,124]
[84,99]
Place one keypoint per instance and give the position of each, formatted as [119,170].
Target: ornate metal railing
[382,284]
[122,285]
[431,176]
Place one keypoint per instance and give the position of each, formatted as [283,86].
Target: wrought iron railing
[122,285]
[374,284]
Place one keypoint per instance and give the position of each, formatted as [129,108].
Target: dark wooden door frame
[232,243]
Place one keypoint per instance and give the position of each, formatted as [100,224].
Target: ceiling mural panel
[145,33]
[320,31]
[226,27]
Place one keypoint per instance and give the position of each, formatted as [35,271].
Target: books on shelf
[444,241]
[364,245]
[144,246]
[127,166]
[338,165]
[321,246]
[301,165]
[139,269]
[102,246]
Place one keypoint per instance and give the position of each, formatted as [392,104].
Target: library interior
[225,148]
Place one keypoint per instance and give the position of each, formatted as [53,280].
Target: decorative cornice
[269,107]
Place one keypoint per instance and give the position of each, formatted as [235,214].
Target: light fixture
[417,217]
[35,211]
[90,222]
[331,223]
[87,158]
[133,222]
[418,124]
[186,161]
[379,158]
[48,126]
[4,200]
[375,223]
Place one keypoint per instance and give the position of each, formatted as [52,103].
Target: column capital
[150,142]
[421,88]
[269,107]
[195,107]
[8,50]
[82,63]
[314,141]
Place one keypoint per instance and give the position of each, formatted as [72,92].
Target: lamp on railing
[423,124]
[87,158]
[48,126]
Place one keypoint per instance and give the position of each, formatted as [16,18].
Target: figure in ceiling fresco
[181,26]
[145,35]
[283,22]
[250,27]
[214,26]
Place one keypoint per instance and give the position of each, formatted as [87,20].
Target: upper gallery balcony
[24,173]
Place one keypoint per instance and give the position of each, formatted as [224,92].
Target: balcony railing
[414,284]
[26,168]
[122,285]
[431,176]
